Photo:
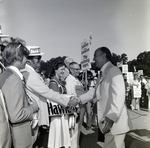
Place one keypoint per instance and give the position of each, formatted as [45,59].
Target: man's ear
[28,61]
[18,58]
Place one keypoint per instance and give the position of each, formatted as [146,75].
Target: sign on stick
[85,55]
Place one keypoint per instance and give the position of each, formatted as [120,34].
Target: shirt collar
[27,65]
[17,71]
[104,66]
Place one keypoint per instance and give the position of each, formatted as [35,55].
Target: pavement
[138,137]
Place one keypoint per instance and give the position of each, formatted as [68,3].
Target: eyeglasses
[37,57]
[75,68]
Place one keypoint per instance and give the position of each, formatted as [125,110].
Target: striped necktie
[97,82]
[29,98]
[98,79]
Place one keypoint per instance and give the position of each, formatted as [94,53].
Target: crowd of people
[44,103]
[137,91]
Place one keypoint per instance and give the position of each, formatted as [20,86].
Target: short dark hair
[54,64]
[107,52]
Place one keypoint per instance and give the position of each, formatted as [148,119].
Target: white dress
[59,135]
[59,132]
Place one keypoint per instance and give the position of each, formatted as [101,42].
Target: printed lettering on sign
[56,109]
[85,55]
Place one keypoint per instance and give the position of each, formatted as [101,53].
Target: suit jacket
[40,93]
[110,95]
[5,136]
[19,112]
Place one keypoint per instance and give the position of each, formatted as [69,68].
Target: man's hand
[108,123]
[35,107]
[73,101]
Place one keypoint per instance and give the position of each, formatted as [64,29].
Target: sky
[59,26]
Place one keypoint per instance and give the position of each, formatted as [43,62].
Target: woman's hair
[54,64]
[14,51]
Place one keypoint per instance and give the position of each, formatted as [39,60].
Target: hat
[34,50]
[68,60]
[1,34]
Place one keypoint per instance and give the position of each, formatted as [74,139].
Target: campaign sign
[55,109]
[137,92]
[124,68]
[129,76]
[140,72]
[85,55]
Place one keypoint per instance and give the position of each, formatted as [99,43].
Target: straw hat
[34,50]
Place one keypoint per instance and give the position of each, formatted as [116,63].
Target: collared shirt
[17,71]
[104,66]
[101,72]
[30,67]
[73,85]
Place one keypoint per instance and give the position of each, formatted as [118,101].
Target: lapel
[13,72]
[105,72]
[101,77]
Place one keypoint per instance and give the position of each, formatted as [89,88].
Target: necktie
[34,122]
[97,82]
[30,100]
[98,79]
[24,81]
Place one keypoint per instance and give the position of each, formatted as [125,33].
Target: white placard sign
[129,76]
[136,92]
[124,68]
[85,55]
[140,72]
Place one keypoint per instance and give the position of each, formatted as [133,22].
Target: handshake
[74,101]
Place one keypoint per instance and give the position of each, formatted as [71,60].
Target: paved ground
[138,137]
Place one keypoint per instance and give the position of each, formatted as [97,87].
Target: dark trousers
[42,139]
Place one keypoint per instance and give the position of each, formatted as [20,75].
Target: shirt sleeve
[36,86]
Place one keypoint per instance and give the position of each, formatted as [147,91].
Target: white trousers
[114,141]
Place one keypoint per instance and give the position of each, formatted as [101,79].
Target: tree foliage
[141,63]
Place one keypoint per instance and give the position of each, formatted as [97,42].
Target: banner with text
[55,109]
[85,55]
[124,68]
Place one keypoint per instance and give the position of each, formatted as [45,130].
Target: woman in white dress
[136,92]
[148,92]
[59,136]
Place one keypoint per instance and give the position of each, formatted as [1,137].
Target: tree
[141,63]
[124,58]
[116,58]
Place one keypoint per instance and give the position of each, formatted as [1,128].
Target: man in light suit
[20,113]
[110,97]
[40,92]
